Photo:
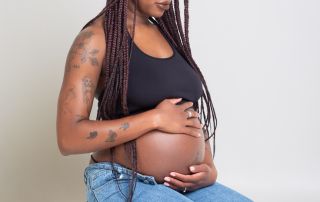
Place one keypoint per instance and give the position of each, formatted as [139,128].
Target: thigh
[102,185]
[157,193]
[217,192]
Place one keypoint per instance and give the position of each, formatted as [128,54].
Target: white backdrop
[261,62]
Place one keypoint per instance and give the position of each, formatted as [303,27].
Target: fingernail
[167,179]
[199,134]
[192,168]
[201,125]
[166,184]
[172,174]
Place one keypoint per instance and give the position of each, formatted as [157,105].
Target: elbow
[64,152]
[65,146]
[65,133]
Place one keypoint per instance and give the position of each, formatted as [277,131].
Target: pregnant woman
[148,142]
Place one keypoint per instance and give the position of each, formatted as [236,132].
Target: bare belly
[159,153]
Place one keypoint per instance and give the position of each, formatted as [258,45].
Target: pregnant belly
[160,153]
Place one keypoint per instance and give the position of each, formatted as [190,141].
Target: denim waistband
[119,171]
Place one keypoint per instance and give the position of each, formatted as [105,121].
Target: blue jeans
[101,186]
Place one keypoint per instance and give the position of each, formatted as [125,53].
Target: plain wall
[260,60]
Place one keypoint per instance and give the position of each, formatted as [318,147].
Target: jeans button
[120,176]
[146,181]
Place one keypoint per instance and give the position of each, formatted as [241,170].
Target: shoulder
[92,36]
[88,48]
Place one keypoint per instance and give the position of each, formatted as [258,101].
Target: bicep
[81,75]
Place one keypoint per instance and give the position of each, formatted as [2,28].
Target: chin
[157,15]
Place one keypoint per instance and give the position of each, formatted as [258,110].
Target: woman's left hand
[202,175]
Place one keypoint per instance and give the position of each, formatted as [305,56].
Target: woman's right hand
[173,118]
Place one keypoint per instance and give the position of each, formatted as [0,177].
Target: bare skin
[165,125]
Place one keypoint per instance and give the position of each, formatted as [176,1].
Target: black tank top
[153,79]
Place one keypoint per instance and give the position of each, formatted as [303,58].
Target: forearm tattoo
[111,136]
[80,48]
[92,135]
[124,126]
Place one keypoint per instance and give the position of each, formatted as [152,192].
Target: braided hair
[115,69]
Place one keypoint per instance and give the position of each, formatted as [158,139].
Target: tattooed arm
[77,134]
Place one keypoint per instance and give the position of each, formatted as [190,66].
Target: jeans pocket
[99,178]
[105,185]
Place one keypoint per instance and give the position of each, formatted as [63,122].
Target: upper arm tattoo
[80,48]
[70,95]
[87,91]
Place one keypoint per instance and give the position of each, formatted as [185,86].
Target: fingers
[192,131]
[190,113]
[171,186]
[177,184]
[175,100]
[186,105]
[179,181]
[199,168]
[179,189]
[184,178]
[194,122]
